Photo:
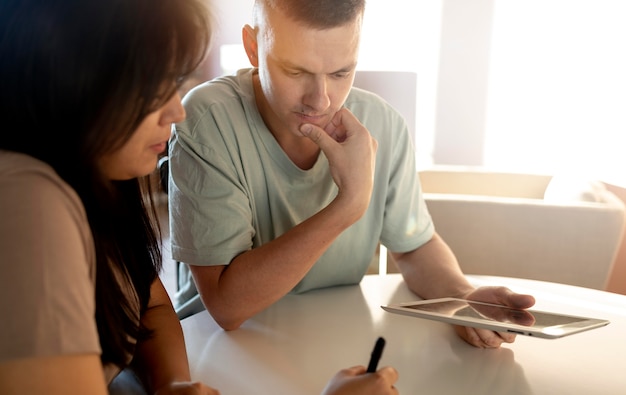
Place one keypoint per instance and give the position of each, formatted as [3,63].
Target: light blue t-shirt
[232,187]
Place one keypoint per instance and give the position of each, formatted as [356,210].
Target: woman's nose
[174,110]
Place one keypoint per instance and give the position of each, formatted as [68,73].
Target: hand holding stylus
[358,380]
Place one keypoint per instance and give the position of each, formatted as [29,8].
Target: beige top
[47,265]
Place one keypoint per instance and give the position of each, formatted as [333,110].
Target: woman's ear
[250,44]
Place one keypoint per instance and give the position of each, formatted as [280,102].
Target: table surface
[296,345]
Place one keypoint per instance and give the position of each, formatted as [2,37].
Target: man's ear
[250,44]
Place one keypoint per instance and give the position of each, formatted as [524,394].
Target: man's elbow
[224,316]
[227,322]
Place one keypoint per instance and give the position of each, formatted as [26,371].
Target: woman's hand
[187,388]
[355,381]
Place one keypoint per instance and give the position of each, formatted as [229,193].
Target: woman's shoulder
[29,184]
[24,175]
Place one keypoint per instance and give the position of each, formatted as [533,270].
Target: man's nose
[317,94]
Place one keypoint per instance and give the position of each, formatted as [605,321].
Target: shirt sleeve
[210,209]
[407,223]
[47,261]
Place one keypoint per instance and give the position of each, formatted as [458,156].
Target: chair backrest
[514,235]
[399,88]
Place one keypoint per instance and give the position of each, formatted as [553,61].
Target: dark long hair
[77,77]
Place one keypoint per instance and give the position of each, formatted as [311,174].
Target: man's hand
[485,338]
[351,153]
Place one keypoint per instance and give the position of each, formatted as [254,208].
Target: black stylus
[377,352]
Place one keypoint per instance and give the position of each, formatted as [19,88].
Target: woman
[88,93]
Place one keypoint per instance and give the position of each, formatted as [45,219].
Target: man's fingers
[317,135]
[343,121]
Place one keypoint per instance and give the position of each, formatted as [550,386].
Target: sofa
[553,228]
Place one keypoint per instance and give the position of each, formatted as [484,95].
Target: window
[557,87]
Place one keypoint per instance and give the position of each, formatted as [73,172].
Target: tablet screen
[497,317]
[496,313]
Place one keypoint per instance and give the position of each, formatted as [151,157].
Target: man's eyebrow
[291,66]
[346,69]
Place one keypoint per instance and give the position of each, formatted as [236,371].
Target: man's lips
[317,120]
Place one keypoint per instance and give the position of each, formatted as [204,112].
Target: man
[284,178]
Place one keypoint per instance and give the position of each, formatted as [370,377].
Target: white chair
[531,226]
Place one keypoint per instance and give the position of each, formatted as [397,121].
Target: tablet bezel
[580,324]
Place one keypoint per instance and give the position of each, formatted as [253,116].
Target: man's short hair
[320,14]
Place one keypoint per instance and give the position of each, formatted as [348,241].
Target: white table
[296,345]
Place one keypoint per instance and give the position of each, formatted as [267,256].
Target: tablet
[497,317]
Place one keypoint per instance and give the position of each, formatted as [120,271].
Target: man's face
[305,74]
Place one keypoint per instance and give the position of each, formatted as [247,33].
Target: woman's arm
[60,375]
[161,360]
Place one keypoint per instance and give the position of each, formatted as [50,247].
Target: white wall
[557,87]
[404,35]
[461,96]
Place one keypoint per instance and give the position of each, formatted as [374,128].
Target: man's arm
[432,271]
[257,278]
